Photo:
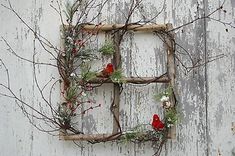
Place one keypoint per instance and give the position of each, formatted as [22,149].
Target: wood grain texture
[115,106]
[135,80]
[205,96]
[134,27]
[88,137]
[221,81]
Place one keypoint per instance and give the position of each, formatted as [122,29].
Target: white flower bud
[170,125]
[83,94]
[70,39]
[72,74]
[167,104]
[164,98]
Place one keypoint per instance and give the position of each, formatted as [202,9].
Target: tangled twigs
[38,113]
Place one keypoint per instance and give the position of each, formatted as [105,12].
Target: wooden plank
[190,87]
[221,81]
[134,27]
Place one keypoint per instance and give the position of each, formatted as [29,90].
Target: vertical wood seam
[205,76]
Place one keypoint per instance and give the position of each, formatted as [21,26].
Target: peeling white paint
[195,134]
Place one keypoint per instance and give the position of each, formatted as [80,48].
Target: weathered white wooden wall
[206,95]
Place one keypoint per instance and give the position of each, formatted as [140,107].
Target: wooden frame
[168,78]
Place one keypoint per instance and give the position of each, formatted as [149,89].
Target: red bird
[156,123]
[107,71]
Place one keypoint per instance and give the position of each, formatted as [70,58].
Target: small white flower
[86,60]
[83,94]
[128,131]
[167,104]
[169,119]
[72,74]
[164,98]
[70,39]
[170,125]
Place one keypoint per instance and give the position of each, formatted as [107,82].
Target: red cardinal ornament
[156,123]
[107,71]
